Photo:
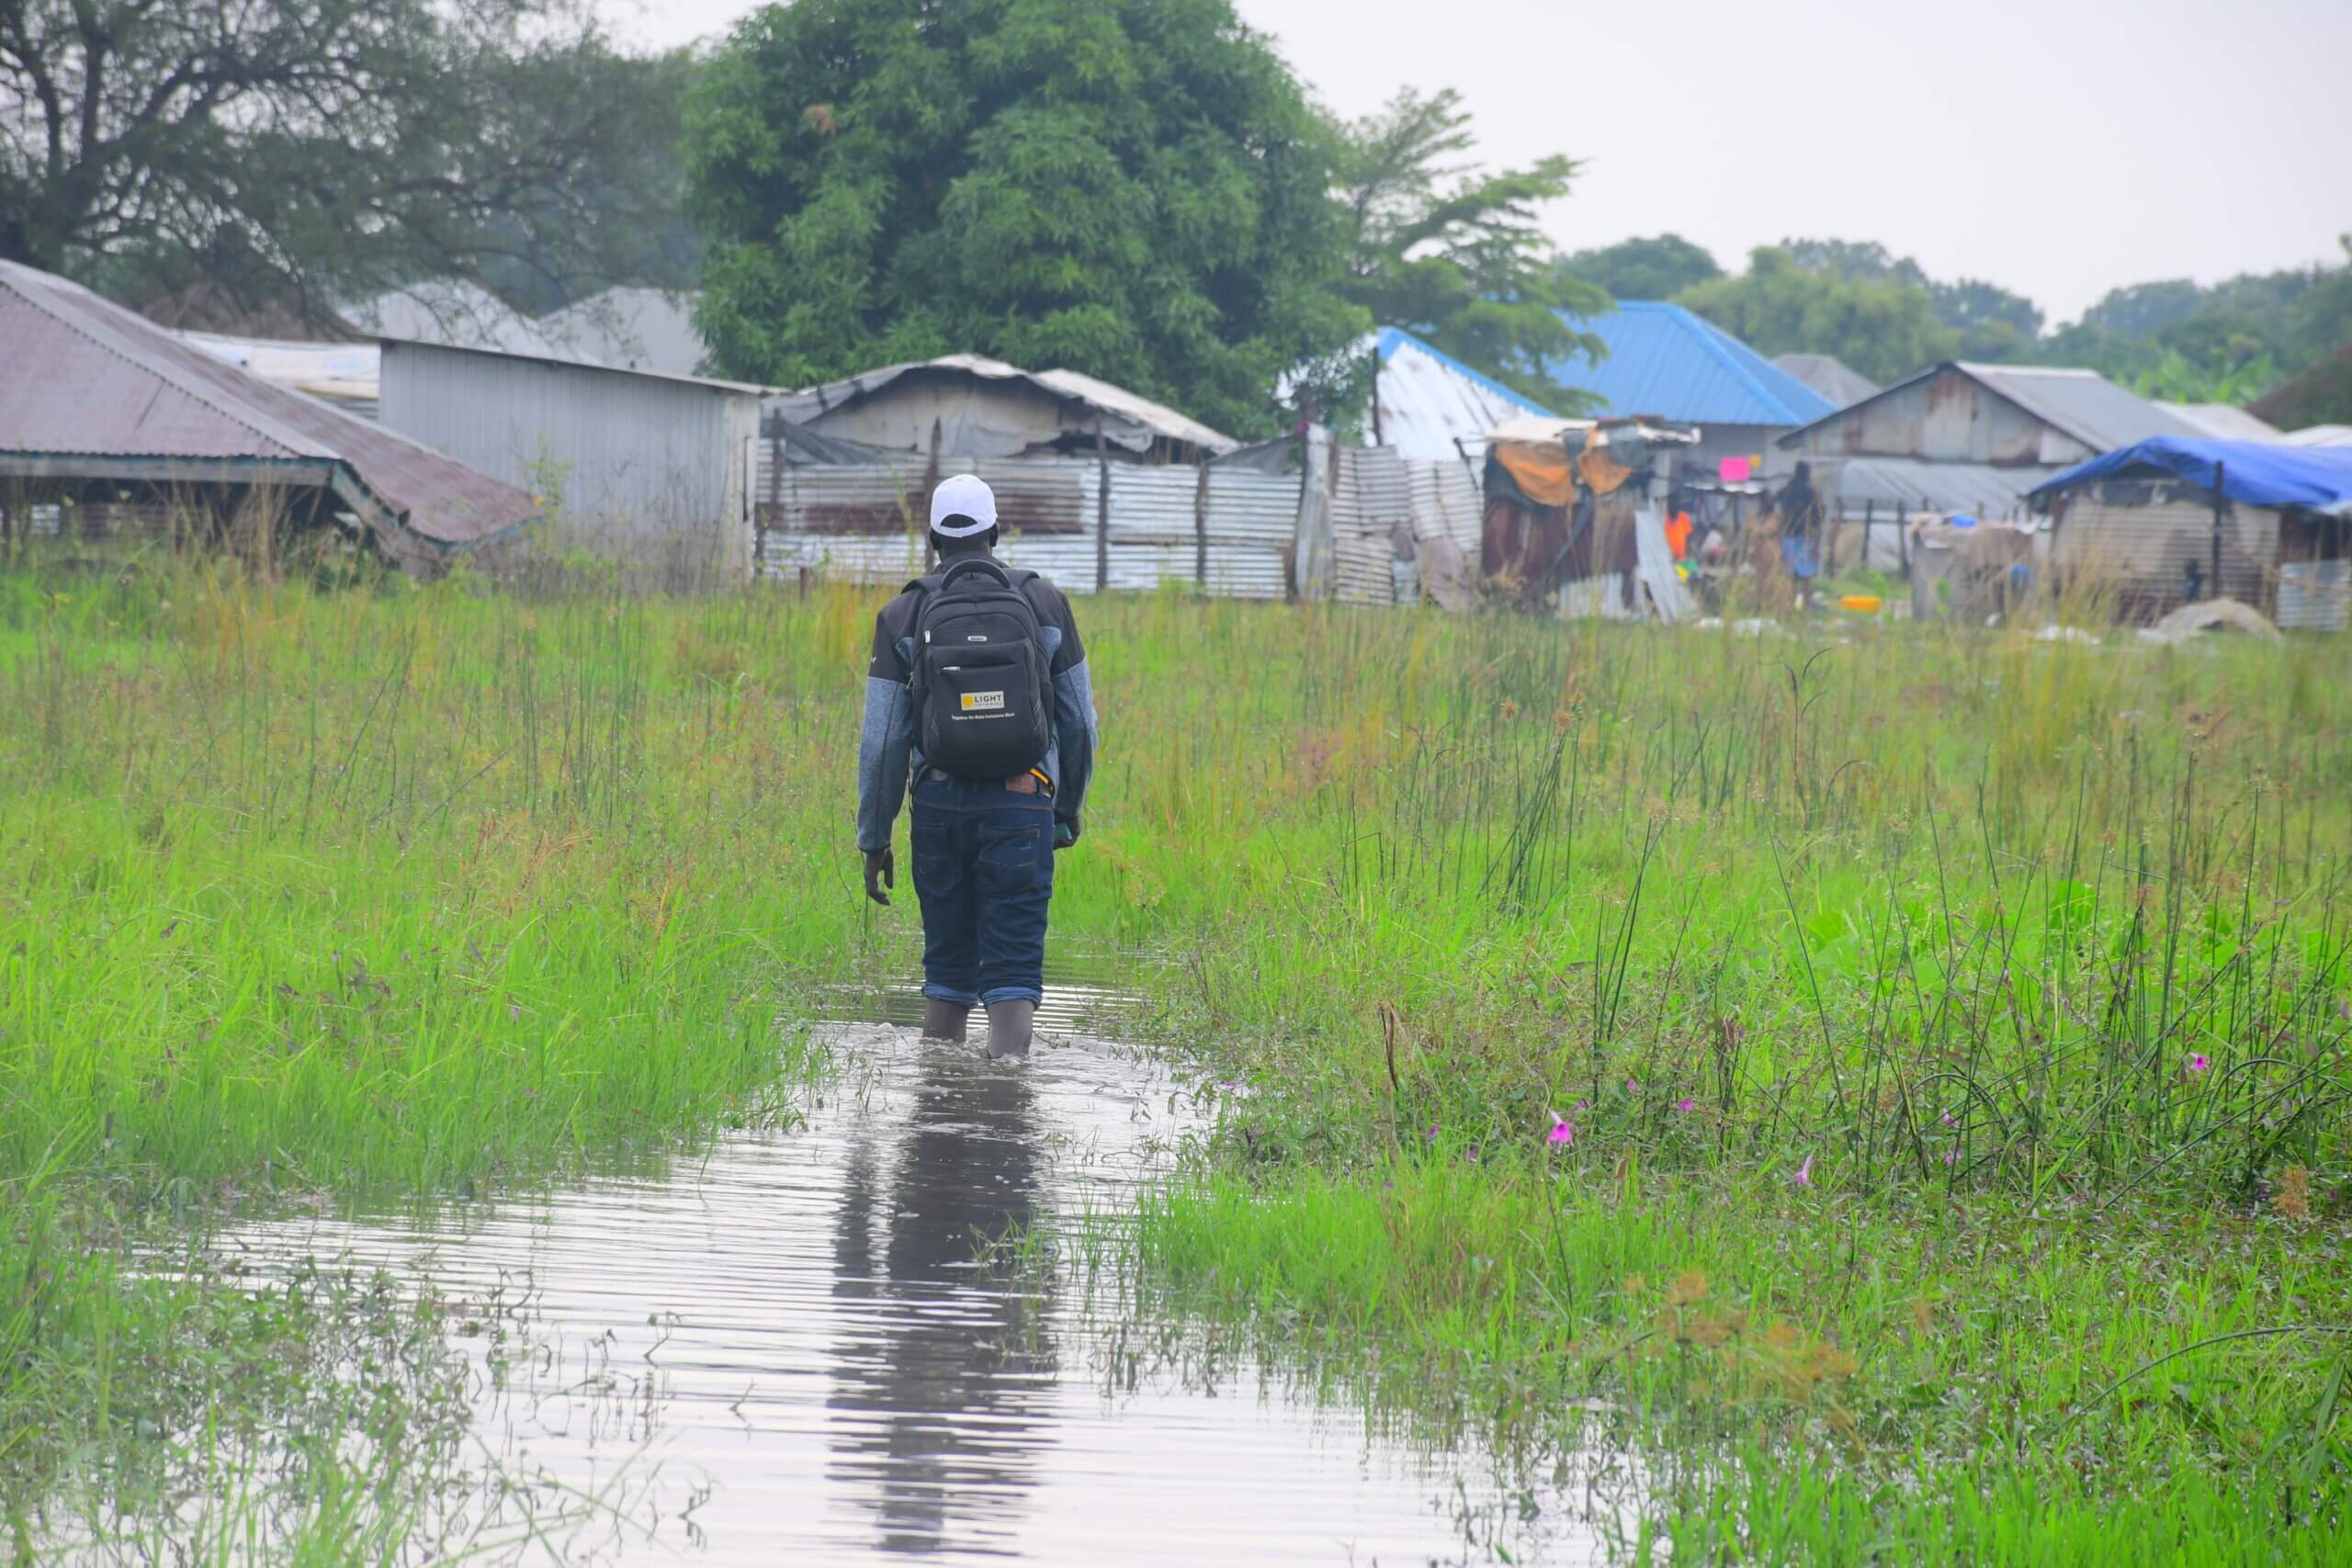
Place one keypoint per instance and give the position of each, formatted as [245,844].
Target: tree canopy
[1136,189]
[1454,254]
[1884,328]
[1657,268]
[286,154]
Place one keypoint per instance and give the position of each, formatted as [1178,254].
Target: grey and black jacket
[886,758]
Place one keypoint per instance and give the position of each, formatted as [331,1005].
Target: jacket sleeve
[883,744]
[1074,738]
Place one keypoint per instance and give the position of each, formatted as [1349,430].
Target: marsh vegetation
[1898,1074]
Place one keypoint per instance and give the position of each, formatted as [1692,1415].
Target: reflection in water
[943,1396]
[796,1348]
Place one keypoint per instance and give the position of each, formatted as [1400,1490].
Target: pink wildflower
[1951,1157]
[1685,1106]
[1431,1133]
[1562,1133]
[1804,1178]
[2198,1061]
[1632,1087]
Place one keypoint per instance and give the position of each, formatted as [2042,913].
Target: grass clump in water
[1952,1023]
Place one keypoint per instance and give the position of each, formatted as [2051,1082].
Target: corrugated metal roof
[1159,417]
[564,362]
[1130,421]
[1917,484]
[113,384]
[1666,361]
[2319,436]
[1430,400]
[2223,422]
[1829,376]
[347,374]
[2083,403]
[631,329]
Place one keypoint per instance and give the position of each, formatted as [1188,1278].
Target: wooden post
[930,483]
[1101,511]
[1201,526]
[2215,590]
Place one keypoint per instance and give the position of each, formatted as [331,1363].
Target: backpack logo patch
[973,700]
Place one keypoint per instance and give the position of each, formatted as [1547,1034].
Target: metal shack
[128,426]
[2164,520]
[1098,487]
[648,469]
[1963,438]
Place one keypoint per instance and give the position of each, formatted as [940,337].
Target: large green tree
[1884,328]
[1655,268]
[1987,320]
[1454,254]
[280,155]
[1133,188]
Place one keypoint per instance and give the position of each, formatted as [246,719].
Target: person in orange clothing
[1677,535]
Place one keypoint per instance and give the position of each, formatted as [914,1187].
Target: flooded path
[808,1341]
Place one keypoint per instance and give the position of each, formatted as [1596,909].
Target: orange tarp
[1541,469]
[1600,472]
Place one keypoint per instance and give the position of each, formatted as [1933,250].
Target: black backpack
[983,693]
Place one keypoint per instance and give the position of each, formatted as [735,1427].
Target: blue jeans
[984,872]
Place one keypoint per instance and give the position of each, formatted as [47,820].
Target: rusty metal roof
[112,394]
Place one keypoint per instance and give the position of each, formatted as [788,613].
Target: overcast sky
[2055,147]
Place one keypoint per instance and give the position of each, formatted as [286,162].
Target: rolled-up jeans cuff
[1011,994]
[939,993]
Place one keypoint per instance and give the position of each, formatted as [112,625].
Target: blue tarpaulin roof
[1664,360]
[2317,478]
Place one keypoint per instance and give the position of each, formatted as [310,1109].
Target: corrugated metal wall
[2141,552]
[868,523]
[639,462]
[2315,595]
[1232,530]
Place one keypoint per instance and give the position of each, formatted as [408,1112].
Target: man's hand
[881,871]
[1065,833]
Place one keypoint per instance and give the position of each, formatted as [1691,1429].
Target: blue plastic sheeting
[2317,478]
[1668,363]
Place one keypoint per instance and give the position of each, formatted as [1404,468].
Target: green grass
[2037,952]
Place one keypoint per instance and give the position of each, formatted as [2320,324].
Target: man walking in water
[977,687]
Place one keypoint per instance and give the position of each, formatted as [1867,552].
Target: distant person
[977,687]
[1800,509]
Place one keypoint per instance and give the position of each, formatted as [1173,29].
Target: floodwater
[808,1342]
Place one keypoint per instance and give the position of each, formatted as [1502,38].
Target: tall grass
[377,888]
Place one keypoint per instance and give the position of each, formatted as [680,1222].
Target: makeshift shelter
[653,470]
[1961,440]
[2175,518]
[964,405]
[1576,516]
[105,408]
[1670,366]
[1432,408]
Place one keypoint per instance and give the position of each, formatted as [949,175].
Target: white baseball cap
[966,496]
